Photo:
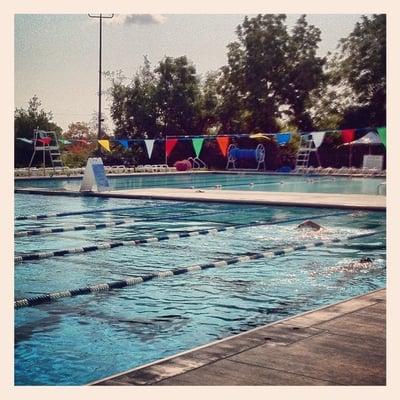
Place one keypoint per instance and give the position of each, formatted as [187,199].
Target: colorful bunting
[105,143]
[25,140]
[259,136]
[348,135]
[283,138]
[149,147]
[197,145]
[382,134]
[124,143]
[318,138]
[223,142]
[169,145]
[64,141]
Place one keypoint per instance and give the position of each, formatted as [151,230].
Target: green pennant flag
[197,145]
[382,134]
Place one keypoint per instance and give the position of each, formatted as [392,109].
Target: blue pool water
[78,340]
[240,181]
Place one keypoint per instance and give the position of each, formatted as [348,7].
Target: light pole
[100,17]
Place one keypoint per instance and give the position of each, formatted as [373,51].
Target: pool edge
[371,298]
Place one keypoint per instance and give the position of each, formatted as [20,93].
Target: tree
[133,108]
[210,103]
[25,121]
[305,72]
[270,73]
[361,65]
[177,96]
[231,88]
[84,144]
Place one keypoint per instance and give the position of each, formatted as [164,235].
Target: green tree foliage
[25,121]
[270,73]
[304,72]
[273,76]
[177,96]
[133,107]
[360,65]
[231,89]
[77,153]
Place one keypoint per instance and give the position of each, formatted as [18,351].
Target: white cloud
[142,19]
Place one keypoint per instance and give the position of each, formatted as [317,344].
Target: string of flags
[223,141]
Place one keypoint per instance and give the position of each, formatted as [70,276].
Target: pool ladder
[303,154]
[378,189]
[197,163]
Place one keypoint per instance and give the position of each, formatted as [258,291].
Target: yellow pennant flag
[105,143]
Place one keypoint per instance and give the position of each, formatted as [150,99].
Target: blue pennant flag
[124,143]
[283,138]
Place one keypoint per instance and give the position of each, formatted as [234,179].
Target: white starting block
[95,175]
[373,162]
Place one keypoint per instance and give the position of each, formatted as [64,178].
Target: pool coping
[317,323]
[292,199]
[229,172]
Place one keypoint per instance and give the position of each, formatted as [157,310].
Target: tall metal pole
[100,17]
[99,117]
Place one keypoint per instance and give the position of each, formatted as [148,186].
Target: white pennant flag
[149,147]
[318,138]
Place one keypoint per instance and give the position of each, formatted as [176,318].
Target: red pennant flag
[169,145]
[45,140]
[223,142]
[348,135]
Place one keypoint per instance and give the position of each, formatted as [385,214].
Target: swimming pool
[239,181]
[77,340]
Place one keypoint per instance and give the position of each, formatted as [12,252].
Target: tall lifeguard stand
[47,142]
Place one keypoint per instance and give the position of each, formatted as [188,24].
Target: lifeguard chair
[46,142]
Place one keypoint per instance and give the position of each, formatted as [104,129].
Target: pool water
[78,340]
[240,181]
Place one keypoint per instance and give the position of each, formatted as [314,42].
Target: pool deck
[293,199]
[358,201]
[341,344]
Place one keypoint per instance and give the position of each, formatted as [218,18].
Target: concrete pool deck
[293,199]
[340,344]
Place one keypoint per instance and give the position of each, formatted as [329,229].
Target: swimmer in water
[309,225]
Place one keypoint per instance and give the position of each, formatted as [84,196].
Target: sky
[57,55]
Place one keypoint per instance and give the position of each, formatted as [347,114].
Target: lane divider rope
[103,287]
[156,218]
[70,213]
[136,242]
[47,231]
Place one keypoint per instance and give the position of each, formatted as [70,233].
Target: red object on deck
[183,165]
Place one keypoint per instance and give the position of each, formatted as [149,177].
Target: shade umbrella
[260,136]
[370,139]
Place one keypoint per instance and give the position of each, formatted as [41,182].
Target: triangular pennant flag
[64,141]
[105,143]
[169,145]
[124,143]
[197,145]
[46,140]
[318,138]
[382,134]
[283,138]
[348,135]
[149,146]
[223,142]
[25,140]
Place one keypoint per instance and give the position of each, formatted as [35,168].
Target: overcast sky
[56,56]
